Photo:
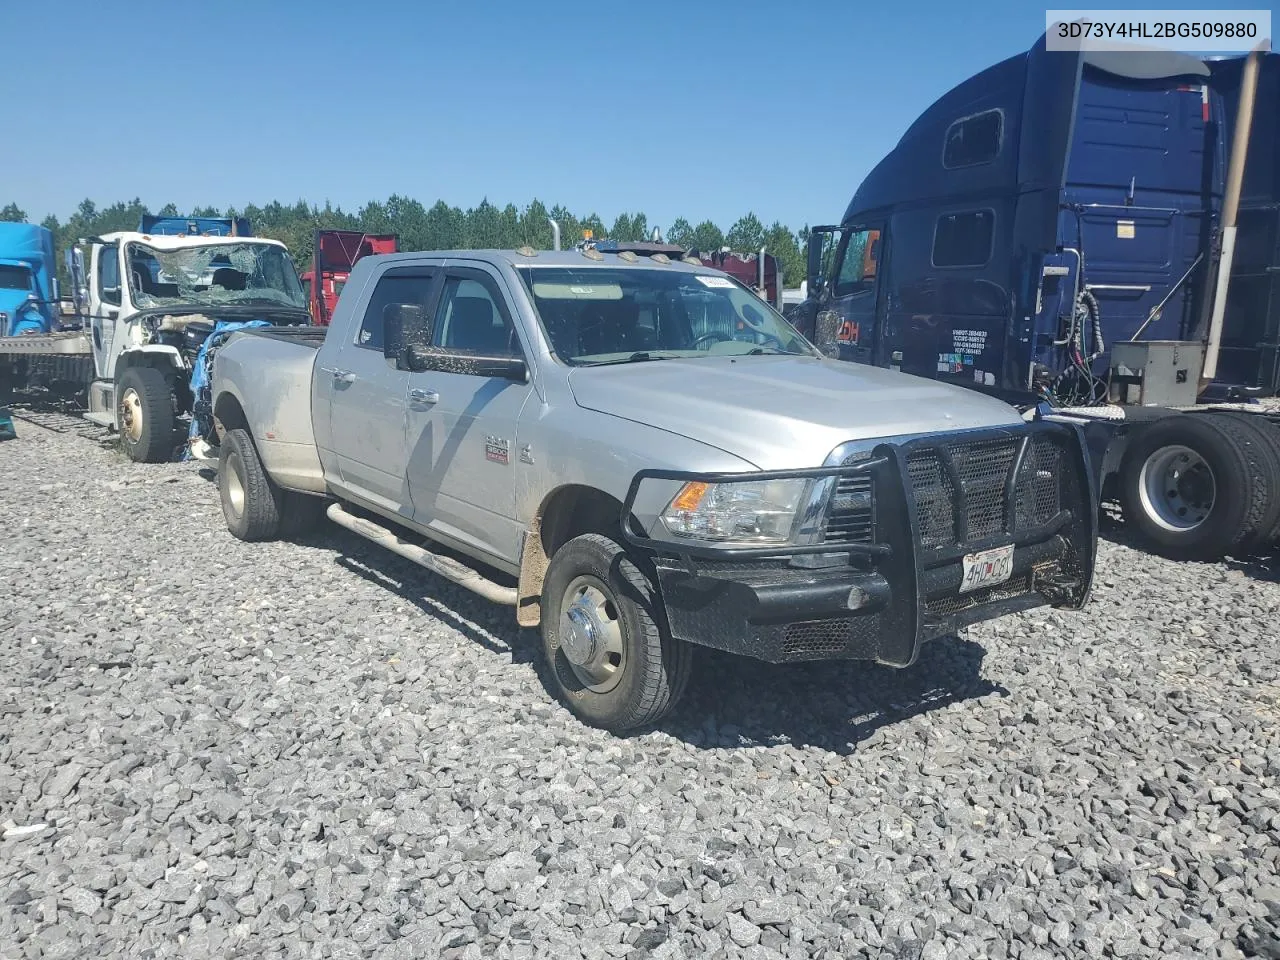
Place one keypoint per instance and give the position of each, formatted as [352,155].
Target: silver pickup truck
[638,455]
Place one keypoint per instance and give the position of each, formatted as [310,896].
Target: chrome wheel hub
[1177,488]
[591,634]
[235,491]
[131,415]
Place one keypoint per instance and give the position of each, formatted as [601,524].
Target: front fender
[151,355]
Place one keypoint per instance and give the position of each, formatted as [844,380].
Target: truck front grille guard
[1040,483]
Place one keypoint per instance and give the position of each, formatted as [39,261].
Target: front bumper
[900,589]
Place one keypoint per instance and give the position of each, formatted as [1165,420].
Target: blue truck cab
[28,288]
[1053,231]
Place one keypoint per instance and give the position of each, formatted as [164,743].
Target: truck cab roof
[549,258]
[179,241]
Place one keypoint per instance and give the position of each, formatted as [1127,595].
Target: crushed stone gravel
[315,749]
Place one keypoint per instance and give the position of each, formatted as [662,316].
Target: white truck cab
[148,302]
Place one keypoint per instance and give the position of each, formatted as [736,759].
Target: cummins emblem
[497,449]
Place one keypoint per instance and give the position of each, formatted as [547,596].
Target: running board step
[447,567]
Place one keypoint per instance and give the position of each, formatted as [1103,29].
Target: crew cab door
[367,393]
[462,418]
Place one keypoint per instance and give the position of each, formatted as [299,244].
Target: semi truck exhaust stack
[1230,210]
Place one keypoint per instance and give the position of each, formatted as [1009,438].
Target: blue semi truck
[1081,235]
[28,280]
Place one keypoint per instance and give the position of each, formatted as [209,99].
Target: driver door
[853,294]
[105,298]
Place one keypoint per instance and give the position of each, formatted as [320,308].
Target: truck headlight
[751,511]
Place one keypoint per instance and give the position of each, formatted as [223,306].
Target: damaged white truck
[640,455]
[146,304]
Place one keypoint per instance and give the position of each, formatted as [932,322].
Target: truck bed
[271,370]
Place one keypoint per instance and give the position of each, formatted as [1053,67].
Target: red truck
[336,252]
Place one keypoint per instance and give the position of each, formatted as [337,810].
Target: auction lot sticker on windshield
[718,282]
[987,568]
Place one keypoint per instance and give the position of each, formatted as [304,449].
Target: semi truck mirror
[820,240]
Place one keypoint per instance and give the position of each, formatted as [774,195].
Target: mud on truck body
[639,456]
[146,305]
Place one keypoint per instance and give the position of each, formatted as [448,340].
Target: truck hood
[781,412]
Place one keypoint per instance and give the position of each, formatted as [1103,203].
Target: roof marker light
[660,258]
[628,256]
[592,254]
[526,251]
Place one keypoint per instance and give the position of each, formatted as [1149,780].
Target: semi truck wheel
[250,500]
[613,661]
[1188,489]
[1266,434]
[146,414]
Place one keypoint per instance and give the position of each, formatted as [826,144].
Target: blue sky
[702,110]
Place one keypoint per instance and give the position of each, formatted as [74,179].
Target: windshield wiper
[639,357]
[758,351]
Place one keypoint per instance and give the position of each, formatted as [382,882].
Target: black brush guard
[894,593]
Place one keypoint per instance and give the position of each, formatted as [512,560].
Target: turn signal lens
[690,496]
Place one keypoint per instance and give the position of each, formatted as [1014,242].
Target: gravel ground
[316,749]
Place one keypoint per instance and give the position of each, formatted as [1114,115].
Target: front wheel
[147,416]
[612,658]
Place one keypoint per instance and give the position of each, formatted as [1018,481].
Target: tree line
[444,227]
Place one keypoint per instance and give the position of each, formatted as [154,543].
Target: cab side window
[109,274]
[859,263]
[402,286]
[472,320]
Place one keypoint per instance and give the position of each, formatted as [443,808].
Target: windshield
[14,278]
[223,274]
[597,315]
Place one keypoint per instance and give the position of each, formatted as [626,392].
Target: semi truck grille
[959,488]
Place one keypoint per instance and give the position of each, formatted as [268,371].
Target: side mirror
[401,323]
[813,272]
[422,357]
[815,276]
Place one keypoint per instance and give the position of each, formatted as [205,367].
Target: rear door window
[397,287]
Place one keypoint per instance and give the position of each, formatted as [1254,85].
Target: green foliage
[442,227]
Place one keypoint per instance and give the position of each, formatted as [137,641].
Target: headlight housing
[750,511]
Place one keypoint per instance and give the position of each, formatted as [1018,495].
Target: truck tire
[147,415]
[613,660]
[1188,488]
[250,499]
[1267,434]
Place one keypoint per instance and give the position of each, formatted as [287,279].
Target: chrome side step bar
[447,567]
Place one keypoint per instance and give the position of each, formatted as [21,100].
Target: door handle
[424,396]
[339,376]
